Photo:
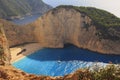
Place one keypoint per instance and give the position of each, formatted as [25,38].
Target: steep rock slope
[69,25]
[18,34]
[66,24]
[4,48]
[10,8]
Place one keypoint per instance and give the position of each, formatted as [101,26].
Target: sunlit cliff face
[66,25]
[60,26]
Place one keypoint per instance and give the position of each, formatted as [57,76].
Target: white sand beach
[30,48]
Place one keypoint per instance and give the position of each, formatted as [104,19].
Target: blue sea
[59,62]
[26,20]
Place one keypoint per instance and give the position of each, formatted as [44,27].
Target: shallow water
[58,62]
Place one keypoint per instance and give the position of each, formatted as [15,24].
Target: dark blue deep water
[58,62]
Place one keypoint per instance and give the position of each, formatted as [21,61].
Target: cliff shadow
[70,53]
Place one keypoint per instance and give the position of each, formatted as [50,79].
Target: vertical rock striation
[64,25]
[67,25]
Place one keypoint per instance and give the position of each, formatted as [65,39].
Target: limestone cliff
[68,25]
[16,34]
[4,48]
[54,29]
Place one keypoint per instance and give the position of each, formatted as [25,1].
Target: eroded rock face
[4,48]
[66,25]
[18,34]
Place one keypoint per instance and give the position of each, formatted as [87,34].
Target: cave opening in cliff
[67,45]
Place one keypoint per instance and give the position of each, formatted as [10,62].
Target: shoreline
[30,48]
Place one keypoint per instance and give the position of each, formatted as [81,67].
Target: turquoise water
[58,62]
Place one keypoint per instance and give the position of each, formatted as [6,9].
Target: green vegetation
[107,24]
[10,8]
[99,17]
[13,8]
[110,72]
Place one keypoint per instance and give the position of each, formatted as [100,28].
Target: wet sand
[30,48]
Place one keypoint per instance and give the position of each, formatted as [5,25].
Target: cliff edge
[75,25]
[85,27]
[4,48]
[17,34]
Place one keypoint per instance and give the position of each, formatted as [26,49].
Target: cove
[59,62]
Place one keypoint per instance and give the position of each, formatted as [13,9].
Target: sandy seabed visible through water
[30,48]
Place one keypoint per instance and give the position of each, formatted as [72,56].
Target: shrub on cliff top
[99,17]
[107,24]
[110,72]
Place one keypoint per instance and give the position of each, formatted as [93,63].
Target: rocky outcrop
[4,48]
[10,73]
[67,25]
[54,29]
[64,25]
[108,73]
[16,34]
